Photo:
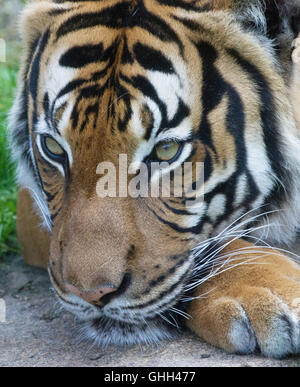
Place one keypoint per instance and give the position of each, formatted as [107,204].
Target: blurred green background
[9,14]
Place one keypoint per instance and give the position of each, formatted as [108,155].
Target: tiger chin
[174,82]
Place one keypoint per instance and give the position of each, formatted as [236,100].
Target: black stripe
[161,296]
[143,84]
[149,125]
[162,278]
[126,281]
[118,17]
[235,125]
[213,90]
[152,59]
[90,110]
[122,93]
[71,86]
[182,112]
[208,166]
[21,136]
[174,210]
[93,91]
[194,230]
[57,12]
[271,132]
[80,56]
[190,24]
[159,28]
[53,216]
[88,21]
[50,197]
[187,5]
[46,108]
[35,72]
[126,54]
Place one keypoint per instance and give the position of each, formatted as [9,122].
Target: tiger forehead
[115,80]
[112,83]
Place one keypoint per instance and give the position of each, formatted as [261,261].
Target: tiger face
[181,83]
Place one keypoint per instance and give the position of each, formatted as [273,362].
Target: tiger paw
[253,307]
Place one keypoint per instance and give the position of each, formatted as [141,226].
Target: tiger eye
[53,147]
[166,151]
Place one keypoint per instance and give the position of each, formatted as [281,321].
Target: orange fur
[33,239]
[96,241]
[263,286]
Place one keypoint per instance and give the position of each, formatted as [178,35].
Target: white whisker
[208,257]
[167,320]
[180,312]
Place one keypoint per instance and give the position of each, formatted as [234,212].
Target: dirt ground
[37,333]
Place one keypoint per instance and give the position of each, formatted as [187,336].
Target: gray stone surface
[38,333]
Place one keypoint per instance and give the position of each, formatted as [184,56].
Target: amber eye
[52,149]
[167,151]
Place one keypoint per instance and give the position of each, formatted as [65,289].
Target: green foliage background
[9,12]
[7,177]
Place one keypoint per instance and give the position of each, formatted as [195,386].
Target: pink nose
[92,296]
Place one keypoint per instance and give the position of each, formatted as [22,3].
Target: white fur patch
[217,207]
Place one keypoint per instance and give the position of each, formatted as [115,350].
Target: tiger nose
[94,297]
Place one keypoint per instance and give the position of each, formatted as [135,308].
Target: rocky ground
[37,333]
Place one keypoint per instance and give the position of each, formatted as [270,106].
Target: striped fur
[112,77]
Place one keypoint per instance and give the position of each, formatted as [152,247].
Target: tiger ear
[36,18]
[272,18]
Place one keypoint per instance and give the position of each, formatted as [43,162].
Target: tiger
[172,82]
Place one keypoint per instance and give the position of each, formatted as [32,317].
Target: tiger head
[181,81]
